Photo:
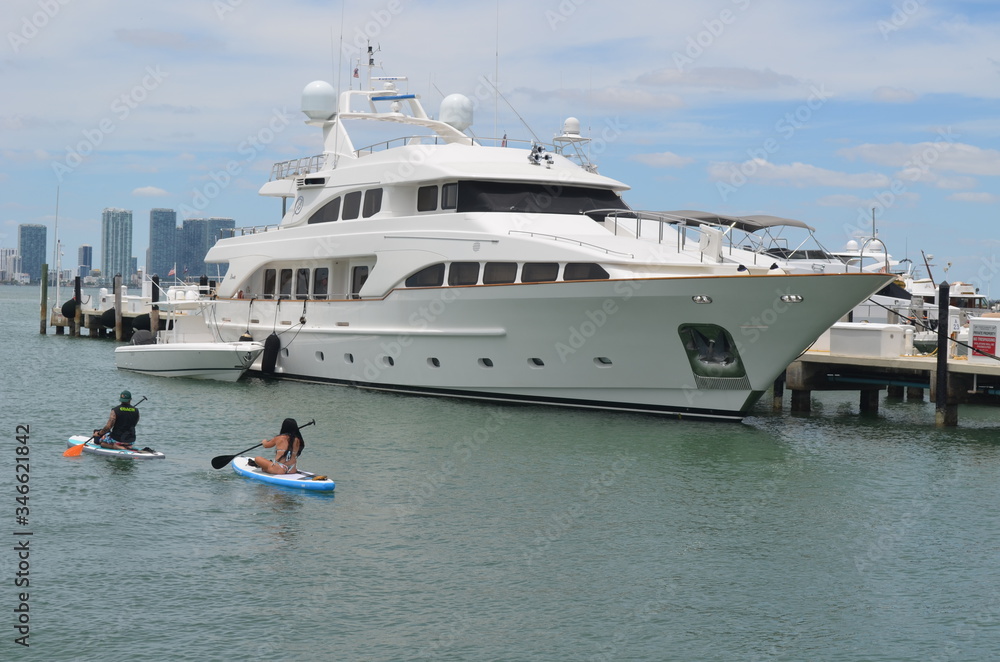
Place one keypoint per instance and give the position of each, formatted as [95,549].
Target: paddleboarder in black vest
[119,431]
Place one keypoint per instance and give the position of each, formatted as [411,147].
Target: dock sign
[984,337]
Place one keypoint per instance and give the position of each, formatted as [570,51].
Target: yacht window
[463,273]
[499,272]
[269,280]
[449,196]
[584,271]
[536,198]
[358,278]
[321,280]
[302,284]
[427,198]
[373,202]
[539,272]
[352,205]
[432,276]
[286,284]
[327,213]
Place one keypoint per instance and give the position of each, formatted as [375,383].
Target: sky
[821,112]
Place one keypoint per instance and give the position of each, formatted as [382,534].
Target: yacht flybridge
[435,263]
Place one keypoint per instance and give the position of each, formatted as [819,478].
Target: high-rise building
[31,239]
[9,264]
[162,242]
[84,260]
[199,235]
[116,244]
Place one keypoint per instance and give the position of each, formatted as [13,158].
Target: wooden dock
[968,382]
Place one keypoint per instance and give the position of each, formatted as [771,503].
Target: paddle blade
[221,460]
[74,451]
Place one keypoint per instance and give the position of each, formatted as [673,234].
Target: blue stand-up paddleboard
[95,449]
[302,480]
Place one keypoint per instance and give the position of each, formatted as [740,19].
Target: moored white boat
[224,361]
[441,265]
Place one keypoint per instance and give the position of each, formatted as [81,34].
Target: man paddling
[119,431]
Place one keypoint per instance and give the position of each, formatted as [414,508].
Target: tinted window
[352,205]
[302,284]
[269,280]
[463,273]
[373,202]
[538,272]
[327,213]
[499,272]
[535,198]
[427,198]
[584,271]
[286,283]
[431,276]
[321,278]
[449,196]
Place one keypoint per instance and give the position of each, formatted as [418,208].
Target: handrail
[297,167]
[575,241]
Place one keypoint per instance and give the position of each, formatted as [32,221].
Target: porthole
[319,356]
[433,362]
[348,358]
[536,362]
[486,363]
[602,362]
[388,361]
[284,352]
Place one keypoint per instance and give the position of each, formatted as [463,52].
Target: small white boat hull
[223,361]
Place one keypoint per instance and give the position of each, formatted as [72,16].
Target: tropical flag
[356,72]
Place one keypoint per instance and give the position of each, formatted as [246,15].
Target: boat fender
[271,348]
[108,318]
[69,309]
[142,322]
[246,337]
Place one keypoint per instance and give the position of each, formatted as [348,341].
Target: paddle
[74,451]
[220,461]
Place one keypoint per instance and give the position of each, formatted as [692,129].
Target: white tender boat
[187,348]
[448,265]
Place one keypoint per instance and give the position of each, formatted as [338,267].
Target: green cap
[126,396]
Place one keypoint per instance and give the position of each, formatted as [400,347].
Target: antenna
[497,90]
[496,75]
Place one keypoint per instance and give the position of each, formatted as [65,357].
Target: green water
[462,531]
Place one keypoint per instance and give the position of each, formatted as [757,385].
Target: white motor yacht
[439,263]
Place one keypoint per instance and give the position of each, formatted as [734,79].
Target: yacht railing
[251,229]
[572,241]
[305,165]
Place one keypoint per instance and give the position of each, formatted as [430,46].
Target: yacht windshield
[477,196]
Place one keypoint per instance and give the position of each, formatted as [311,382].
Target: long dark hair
[291,428]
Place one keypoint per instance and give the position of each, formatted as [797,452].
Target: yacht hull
[701,347]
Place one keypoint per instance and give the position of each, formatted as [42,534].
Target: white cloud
[662,160]
[885,94]
[795,174]
[729,78]
[149,192]
[975,197]
[922,157]
[841,200]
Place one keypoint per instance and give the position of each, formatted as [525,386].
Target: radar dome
[571,126]
[851,246]
[319,100]
[456,110]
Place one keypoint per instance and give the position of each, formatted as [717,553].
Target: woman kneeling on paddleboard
[288,446]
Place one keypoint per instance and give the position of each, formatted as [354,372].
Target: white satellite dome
[319,100]
[852,245]
[456,110]
[571,127]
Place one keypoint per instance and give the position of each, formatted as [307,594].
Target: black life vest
[126,418]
